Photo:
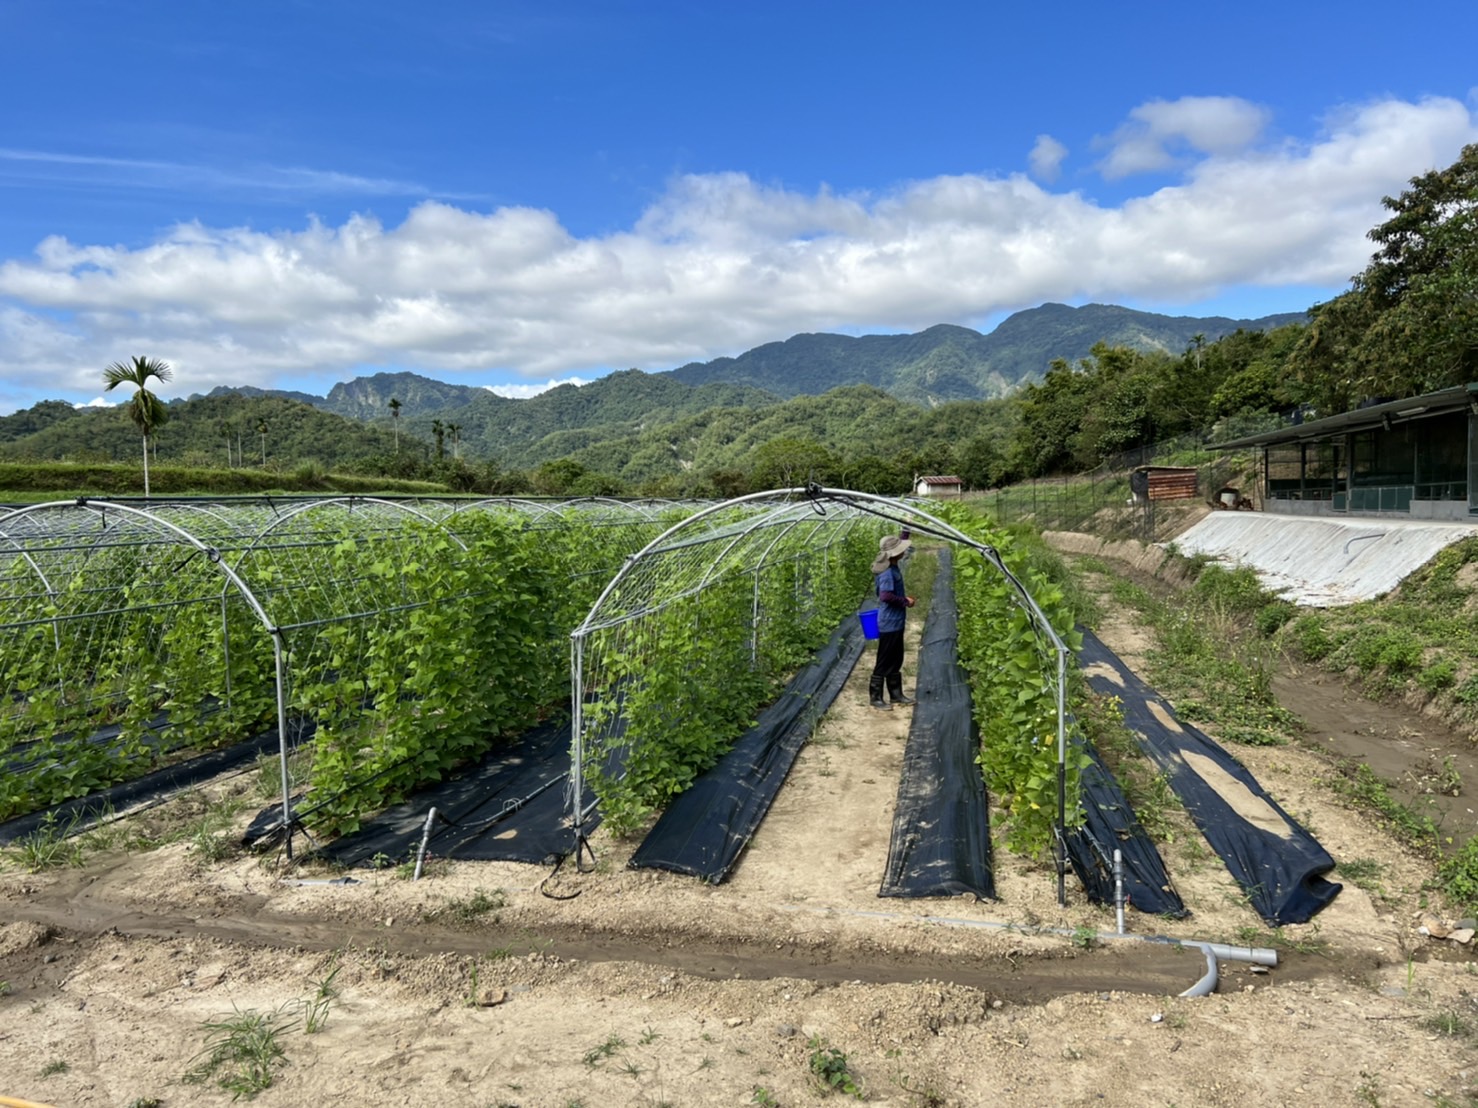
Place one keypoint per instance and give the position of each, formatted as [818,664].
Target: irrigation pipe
[1213,952]
[1362,538]
[425,841]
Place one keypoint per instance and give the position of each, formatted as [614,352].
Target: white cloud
[1157,132]
[1046,158]
[98,402]
[523,392]
[718,264]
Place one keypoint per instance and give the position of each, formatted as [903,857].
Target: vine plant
[1013,678]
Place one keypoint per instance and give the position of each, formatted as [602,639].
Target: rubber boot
[875,694]
[895,690]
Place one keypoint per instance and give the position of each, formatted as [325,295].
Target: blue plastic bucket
[869,620]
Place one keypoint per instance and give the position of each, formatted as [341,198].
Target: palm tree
[145,409]
[439,431]
[262,430]
[394,407]
[455,430]
[1198,340]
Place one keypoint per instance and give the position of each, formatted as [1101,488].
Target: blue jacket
[892,605]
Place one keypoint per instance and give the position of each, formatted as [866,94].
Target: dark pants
[890,654]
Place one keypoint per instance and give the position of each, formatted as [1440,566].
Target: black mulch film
[511,807]
[1108,824]
[1278,864]
[706,828]
[941,829]
[151,787]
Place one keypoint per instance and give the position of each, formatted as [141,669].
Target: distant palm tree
[145,409]
[1198,341]
[438,429]
[394,407]
[455,430]
[262,430]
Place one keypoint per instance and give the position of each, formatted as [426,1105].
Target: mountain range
[934,367]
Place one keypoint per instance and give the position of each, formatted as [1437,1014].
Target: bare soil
[470,987]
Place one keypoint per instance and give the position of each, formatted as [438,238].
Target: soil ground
[472,987]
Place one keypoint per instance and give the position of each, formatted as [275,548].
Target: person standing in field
[893,606]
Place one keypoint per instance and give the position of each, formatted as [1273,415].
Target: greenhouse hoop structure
[688,639]
[132,630]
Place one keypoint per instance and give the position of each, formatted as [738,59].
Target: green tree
[557,478]
[1409,323]
[455,430]
[1051,414]
[981,463]
[394,406]
[788,463]
[224,429]
[262,430]
[1119,416]
[146,410]
[438,432]
[729,483]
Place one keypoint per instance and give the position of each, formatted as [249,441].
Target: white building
[938,487]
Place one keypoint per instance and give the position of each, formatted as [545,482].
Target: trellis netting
[693,634]
[411,635]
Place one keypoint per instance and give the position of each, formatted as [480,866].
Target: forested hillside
[956,363]
[216,430]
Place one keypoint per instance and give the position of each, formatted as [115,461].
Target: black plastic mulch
[512,806]
[1108,824]
[706,828]
[941,825]
[1278,864]
[152,787]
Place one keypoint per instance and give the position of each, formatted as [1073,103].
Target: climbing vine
[412,646]
[1013,677]
[681,683]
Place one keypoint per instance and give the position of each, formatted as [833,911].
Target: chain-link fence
[1101,501]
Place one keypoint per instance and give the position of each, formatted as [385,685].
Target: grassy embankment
[37,482]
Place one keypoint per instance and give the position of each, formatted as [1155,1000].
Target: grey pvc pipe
[1214,952]
[1207,985]
[425,841]
[1118,890]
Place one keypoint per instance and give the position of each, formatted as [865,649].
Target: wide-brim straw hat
[889,547]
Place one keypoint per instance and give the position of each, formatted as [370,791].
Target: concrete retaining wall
[1319,561]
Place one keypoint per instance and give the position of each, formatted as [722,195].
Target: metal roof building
[1415,458]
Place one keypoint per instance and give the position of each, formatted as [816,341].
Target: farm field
[472,987]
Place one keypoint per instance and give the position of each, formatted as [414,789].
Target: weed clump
[242,1052]
[1311,638]
[832,1070]
[1235,591]
[1271,617]
[1458,876]
[1441,674]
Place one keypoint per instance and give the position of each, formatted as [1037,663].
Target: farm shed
[1163,483]
[938,487]
[1414,458]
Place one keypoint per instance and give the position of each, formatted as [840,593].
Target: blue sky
[294,192]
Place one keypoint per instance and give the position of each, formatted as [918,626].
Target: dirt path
[648,988]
